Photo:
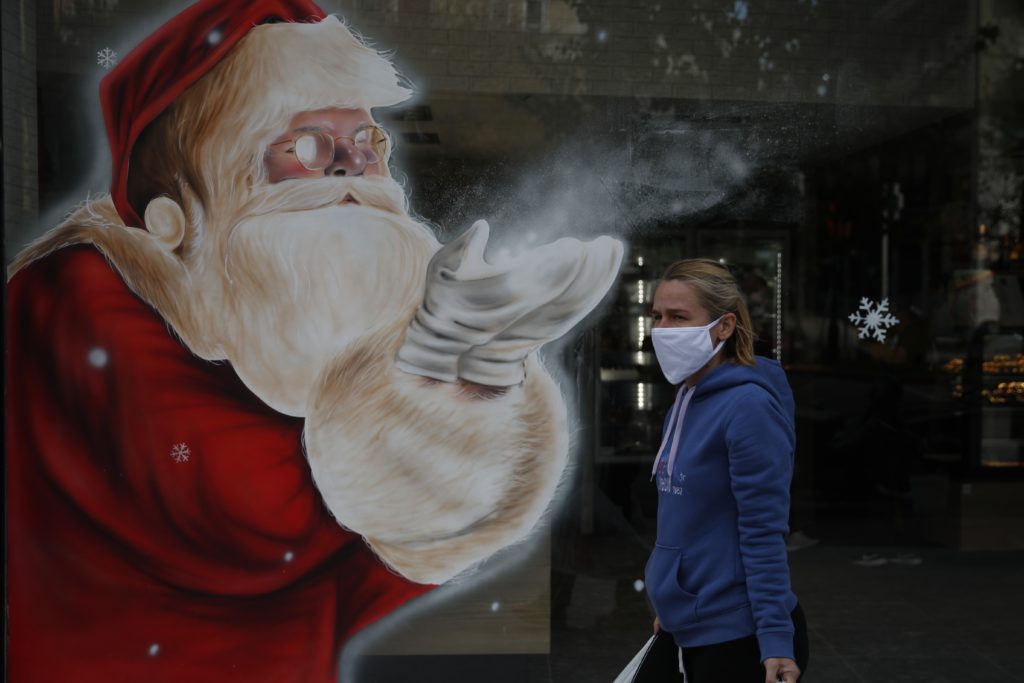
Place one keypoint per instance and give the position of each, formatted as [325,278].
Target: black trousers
[739,661]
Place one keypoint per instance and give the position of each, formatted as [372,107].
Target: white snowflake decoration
[106,58]
[180,452]
[873,319]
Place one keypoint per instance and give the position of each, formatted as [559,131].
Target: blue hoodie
[719,569]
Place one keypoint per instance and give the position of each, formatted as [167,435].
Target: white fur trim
[435,480]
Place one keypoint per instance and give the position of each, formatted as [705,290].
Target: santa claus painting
[253,405]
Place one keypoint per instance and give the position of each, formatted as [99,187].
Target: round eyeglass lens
[307,150]
[372,142]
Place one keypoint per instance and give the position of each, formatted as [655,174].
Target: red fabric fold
[162,521]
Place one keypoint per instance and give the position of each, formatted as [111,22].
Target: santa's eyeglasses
[315,150]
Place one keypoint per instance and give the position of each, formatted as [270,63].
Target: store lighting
[640,260]
[643,396]
[641,331]
[778,306]
[640,291]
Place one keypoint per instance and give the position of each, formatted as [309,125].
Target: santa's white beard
[310,301]
[298,285]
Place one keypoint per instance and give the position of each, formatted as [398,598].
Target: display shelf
[988,381]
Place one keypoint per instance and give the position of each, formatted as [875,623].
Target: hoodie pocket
[676,607]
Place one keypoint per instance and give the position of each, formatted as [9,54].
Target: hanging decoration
[873,319]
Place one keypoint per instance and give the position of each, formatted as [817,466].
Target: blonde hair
[718,293]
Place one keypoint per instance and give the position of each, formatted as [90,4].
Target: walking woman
[718,577]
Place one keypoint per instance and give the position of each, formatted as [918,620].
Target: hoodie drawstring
[672,434]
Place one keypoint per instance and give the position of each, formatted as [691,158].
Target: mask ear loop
[721,342]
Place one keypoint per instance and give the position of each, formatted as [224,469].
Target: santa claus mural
[253,404]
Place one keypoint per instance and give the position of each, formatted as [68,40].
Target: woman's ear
[727,326]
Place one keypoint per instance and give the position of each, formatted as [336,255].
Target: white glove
[478,322]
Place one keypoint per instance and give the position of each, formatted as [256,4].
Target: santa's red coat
[162,521]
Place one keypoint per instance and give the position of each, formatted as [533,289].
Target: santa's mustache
[319,205]
[379,192]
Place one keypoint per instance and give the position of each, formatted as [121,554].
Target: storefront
[859,166]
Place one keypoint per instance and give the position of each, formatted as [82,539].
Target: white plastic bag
[657,660]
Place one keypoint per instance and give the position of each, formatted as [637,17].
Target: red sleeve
[162,524]
[169,454]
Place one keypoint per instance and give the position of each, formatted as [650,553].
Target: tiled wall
[613,56]
[899,52]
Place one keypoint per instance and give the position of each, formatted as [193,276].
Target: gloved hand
[478,321]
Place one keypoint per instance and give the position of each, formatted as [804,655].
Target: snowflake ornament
[180,452]
[106,58]
[873,319]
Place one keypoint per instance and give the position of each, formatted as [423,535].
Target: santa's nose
[348,160]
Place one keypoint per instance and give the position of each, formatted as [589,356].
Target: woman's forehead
[676,294]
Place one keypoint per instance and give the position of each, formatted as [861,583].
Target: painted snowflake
[873,319]
[180,452]
[106,58]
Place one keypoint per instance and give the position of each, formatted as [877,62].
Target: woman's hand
[657,625]
[777,668]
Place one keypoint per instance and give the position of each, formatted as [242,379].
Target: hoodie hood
[766,373]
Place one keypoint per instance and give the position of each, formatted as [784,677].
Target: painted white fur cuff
[435,480]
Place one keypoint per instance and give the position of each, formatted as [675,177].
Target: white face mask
[682,351]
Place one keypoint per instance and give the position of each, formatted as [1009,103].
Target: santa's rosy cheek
[285,168]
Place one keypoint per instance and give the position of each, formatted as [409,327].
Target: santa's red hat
[153,75]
